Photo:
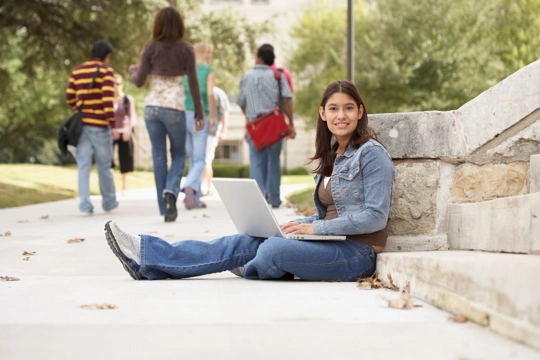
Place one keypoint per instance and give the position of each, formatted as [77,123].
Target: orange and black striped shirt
[98,102]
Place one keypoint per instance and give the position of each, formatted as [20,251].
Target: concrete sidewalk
[215,316]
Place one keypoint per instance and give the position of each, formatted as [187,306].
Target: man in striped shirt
[259,94]
[99,127]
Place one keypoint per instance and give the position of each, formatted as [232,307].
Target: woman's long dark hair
[168,25]
[325,145]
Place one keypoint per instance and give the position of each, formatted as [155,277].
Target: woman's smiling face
[341,115]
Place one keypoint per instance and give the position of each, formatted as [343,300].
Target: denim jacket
[361,188]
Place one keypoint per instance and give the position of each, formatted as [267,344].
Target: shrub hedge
[242,171]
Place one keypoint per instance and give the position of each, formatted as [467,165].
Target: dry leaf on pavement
[7,233]
[406,289]
[205,216]
[9,278]
[375,283]
[75,240]
[26,258]
[458,319]
[44,217]
[392,285]
[404,301]
[99,307]
[22,221]
[29,253]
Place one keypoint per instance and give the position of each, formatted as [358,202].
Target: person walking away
[167,58]
[288,77]
[196,140]
[353,178]
[217,133]
[258,95]
[99,127]
[125,119]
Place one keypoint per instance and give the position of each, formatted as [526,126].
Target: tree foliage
[416,55]
[41,41]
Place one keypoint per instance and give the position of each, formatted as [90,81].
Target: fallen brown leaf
[44,217]
[9,278]
[99,307]
[404,301]
[406,289]
[26,258]
[168,235]
[22,221]
[29,253]
[205,216]
[7,233]
[75,240]
[373,283]
[392,285]
[458,319]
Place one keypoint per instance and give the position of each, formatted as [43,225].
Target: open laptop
[250,212]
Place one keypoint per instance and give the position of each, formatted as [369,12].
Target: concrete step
[495,290]
[534,174]
[509,224]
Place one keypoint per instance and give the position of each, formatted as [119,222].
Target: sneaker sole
[190,201]
[134,273]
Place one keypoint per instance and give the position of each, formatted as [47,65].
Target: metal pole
[350,41]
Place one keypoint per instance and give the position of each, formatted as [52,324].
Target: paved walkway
[217,316]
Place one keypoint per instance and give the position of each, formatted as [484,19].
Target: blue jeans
[162,123]
[196,149]
[272,258]
[265,168]
[96,142]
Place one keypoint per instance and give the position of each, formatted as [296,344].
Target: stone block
[500,107]
[518,147]
[473,183]
[414,198]
[506,225]
[428,134]
[534,247]
[534,173]
[398,243]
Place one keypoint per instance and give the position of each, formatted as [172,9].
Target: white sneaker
[239,271]
[129,244]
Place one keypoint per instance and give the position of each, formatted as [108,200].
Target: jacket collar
[261,67]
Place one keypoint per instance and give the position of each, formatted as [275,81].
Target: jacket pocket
[349,180]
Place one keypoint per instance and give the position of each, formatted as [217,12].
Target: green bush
[230,170]
[299,170]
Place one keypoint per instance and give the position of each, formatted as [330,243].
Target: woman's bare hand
[297,228]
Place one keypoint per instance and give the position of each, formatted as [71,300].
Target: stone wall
[478,152]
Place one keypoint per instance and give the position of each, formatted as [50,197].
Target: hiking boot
[172,212]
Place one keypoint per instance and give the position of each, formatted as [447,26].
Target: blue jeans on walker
[162,123]
[96,142]
[196,149]
[265,168]
[264,259]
